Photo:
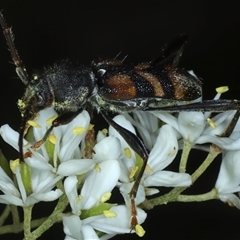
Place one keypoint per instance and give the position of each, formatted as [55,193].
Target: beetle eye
[101,72]
[40,99]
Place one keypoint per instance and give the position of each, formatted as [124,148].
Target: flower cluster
[62,170]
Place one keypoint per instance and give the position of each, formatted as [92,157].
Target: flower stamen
[127,152]
[139,230]
[211,123]
[14,164]
[109,214]
[51,119]
[105,197]
[222,89]
[33,124]
[78,130]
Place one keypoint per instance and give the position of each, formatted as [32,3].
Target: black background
[46,32]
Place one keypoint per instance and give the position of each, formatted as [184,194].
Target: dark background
[46,32]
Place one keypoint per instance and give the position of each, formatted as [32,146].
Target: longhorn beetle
[112,85]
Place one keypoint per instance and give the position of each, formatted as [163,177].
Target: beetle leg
[220,105]
[138,146]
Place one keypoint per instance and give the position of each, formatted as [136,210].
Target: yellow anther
[14,164]
[133,172]
[78,130]
[148,169]
[90,127]
[105,132]
[127,152]
[109,214]
[52,138]
[51,119]
[35,77]
[211,123]
[222,89]
[139,230]
[79,198]
[105,197]
[97,167]
[33,124]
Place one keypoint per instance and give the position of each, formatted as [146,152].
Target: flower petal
[107,149]
[10,136]
[168,179]
[229,175]
[191,125]
[164,150]
[70,187]
[119,224]
[75,167]
[99,183]
[72,226]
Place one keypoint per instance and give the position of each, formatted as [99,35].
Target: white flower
[193,126]
[68,136]
[228,181]
[42,183]
[43,174]
[161,155]
[96,189]
[75,228]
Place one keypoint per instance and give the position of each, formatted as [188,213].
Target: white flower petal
[10,136]
[99,183]
[167,118]
[43,181]
[75,167]
[120,224]
[151,191]
[164,150]
[122,121]
[231,199]
[107,149]
[6,184]
[229,175]
[168,179]
[125,190]
[39,164]
[21,186]
[10,199]
[147,125]
[89,233]
[191,125]
[46,197]
[70,186]
[70,141]
[224,143]
[72,226]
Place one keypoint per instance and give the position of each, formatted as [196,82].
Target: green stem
[15,218]
[213,194]
[55,216]
[184,157]
[4,215]
[16,229]
[214,151]
[174,193]
[27,222]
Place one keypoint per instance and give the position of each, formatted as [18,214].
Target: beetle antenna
[20,68]
[117,55]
